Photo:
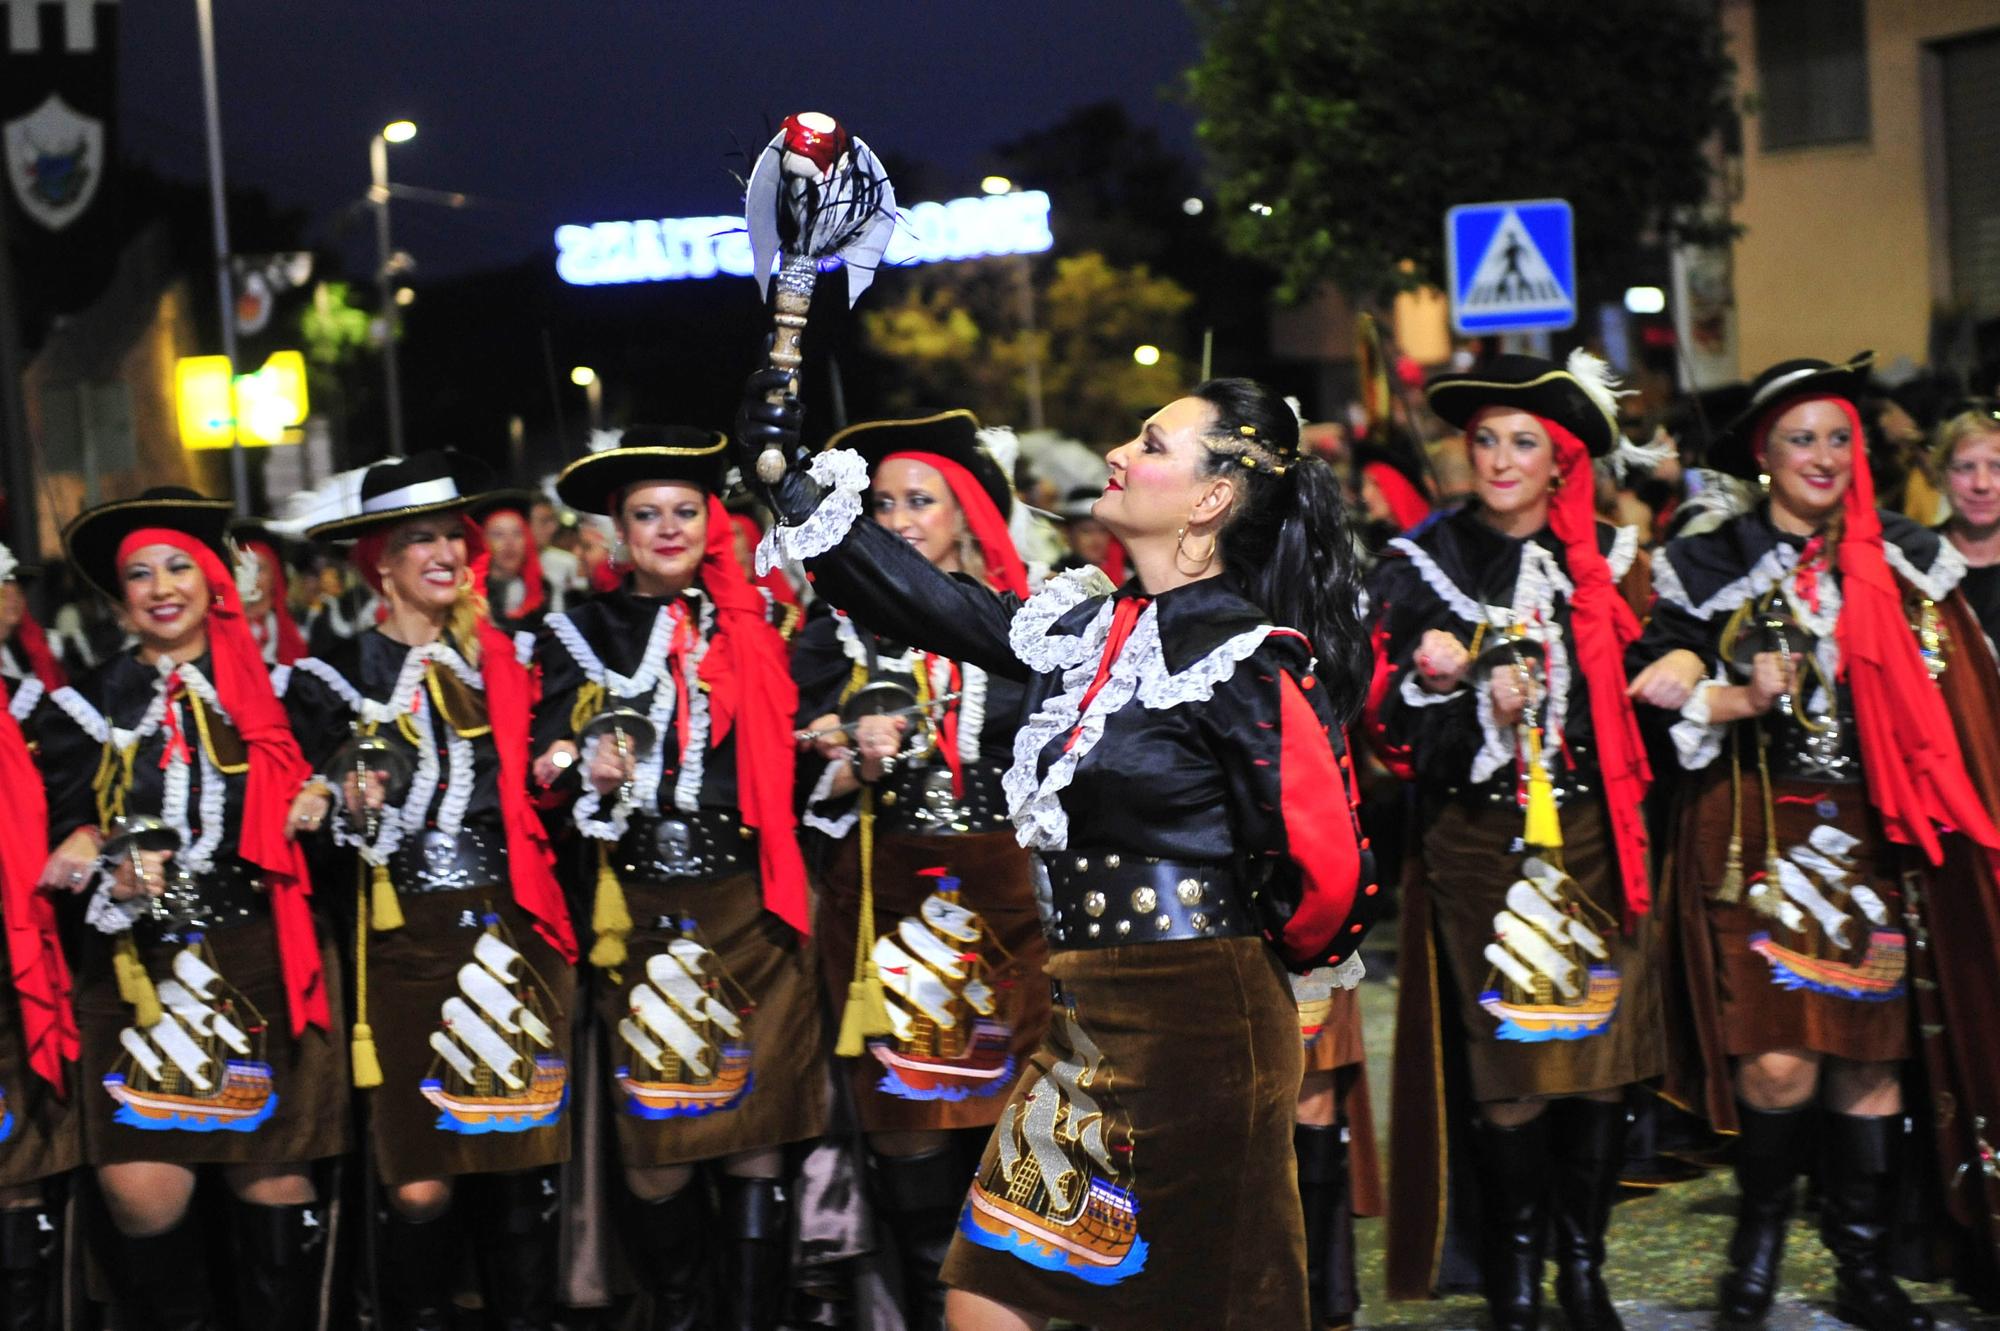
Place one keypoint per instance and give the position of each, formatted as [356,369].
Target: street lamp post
[1024,272]
[593,394]
[239,470]
[400,131]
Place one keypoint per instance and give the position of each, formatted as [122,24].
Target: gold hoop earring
[1180,552]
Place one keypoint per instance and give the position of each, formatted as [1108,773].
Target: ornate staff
[817,199]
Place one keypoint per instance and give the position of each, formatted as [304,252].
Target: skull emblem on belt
[440,852]
[673,842]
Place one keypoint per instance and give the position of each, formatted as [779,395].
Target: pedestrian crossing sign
[1512,266]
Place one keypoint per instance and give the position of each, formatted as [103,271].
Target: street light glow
[1146,354]
[583,376]
[1192,206]
[1645,300]
[996,185]
[405,295]
[400,131]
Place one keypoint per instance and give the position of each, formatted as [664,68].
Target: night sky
[608,109]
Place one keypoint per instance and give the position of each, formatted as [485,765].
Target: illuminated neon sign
[674,249]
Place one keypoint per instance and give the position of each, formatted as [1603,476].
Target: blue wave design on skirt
[1016,1244]
[6,1122]
[498,1122]
[192,1121]
[699,1110]
[893,1084]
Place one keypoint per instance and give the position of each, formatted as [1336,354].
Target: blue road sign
[1512,266]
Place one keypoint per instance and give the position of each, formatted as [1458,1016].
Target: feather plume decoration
[1593,375]
[1629,457]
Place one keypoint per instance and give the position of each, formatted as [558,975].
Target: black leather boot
[1514,1183]
[418,1260]
[671,1237]
[1589,1145]
[756,1217]
[1768,1151]
[278,1263]
[1326,1193]
[516,1248]
[162,1281]
[25,1259]
[921,1198]
[1857,1205]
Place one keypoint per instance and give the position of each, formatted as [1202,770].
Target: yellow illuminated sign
[270,402]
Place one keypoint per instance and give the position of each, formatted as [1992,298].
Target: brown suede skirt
[931,1075]
[1522,1042]
[461,1093]
[242,1092]
[1141,1175]
[41,1132]
[686,1089]
[1786,984]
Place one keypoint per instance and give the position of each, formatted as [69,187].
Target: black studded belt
[438,861]
[708,843]
[222,898]
[919,799]
[1108,899]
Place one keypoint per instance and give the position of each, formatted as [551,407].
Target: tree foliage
[1357,123]
[957,338]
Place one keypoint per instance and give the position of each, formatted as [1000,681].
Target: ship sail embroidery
[497,1067]
[686,1038]
[950,1042]
[1060,1193]
[1551,978]
[1812,905]
[202,1066]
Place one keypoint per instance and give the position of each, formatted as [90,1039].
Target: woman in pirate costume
[205,985]
[25,653]
[947,895]
[1500,689]
[670,696]
[1835,724]
[261,578]
[509,572]
[464,961]
[40,1132]
[1181,775]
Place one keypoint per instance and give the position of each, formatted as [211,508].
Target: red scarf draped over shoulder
[752,687]
[1603,626]
[1004,570]
[34,645]
[34,953]
[531,564]
[276,772]
[1909,746]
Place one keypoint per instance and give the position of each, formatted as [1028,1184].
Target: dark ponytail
[1288,539]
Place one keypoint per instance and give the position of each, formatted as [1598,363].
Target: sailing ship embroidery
[201,1067]
[497,1067]
[1812,905]
[686,1034]
[1313,992]
[950,1042]
[1552,976]
[1060,1191]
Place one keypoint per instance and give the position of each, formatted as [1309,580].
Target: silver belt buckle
[673,846]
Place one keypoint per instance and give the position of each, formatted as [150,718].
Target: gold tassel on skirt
[1543,827]
[366,1066]
[867,1010]
[385,913]
[1729,891]
[134,985]
[610,917]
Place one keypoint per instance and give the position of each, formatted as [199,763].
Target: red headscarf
[1909,745]
[291,643]
[34,953]
[1004,570]
[276,771]
[34,645]
[510,698]
[755,685]
[531,564]
[1604,626]
[774,582]
[1407,505]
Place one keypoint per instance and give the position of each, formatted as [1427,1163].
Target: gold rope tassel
[1772,897]
[385,912]
[610,917]
[1543,827]
[1729,891]
[867,1010]
[367,1068]
[134,985]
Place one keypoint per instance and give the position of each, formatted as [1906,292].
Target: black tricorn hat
[434,481]
[646,454]
[1735,450]
[1570,395]
[1080,503]
[92,538]
[952,435]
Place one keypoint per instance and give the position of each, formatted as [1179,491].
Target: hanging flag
[58,96]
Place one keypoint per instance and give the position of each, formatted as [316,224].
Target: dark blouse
[1982,592]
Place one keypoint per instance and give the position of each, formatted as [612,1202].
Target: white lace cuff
[822,791]
[843,474]
[1697,739]
[1498,750]
[588,804]
[105,913]
[1416,695]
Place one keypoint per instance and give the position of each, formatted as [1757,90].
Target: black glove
[761,424]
